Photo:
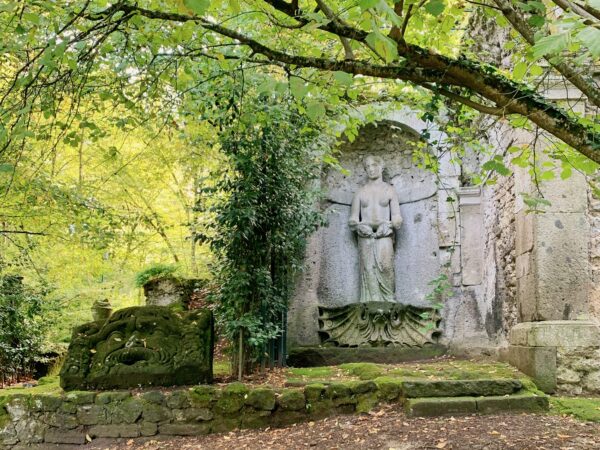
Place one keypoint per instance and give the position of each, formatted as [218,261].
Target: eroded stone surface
[141,346]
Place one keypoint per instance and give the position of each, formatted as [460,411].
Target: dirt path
[388,429]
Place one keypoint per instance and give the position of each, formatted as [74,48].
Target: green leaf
[550,45]
[343,78]
[536,70]
[197,6]
[496,165]
[519,70]
[383,45]
[298,88]
[537,21]
[590,37]
[435,7]
[315,110]
[6,168]
[366,4]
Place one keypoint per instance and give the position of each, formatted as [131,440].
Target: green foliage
[154,272]
[586,409]
[262,214]
[23,324]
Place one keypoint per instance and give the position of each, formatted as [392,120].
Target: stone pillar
[471,235]
[553,284]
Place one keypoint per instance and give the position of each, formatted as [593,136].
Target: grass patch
[221,368]
[586,409]
[46,385]
[312,372]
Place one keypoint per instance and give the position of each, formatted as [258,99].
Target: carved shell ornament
[378,324]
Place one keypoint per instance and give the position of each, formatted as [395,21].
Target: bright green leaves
[551,45]
[519,70]
[298,87]
[199,7]
[590,38]
[435,7]
[497,165]
[383,45]
[315,110]
[343,78]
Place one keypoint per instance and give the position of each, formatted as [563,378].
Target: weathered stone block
[65,436]
[184,429]
[92,415]
[428,407]
[127,411]
[148,428]
[178,399]
[155,413]
[459,388]
[141,346]
[591,382]
[291,400]
[81,397]
[537,362]
[389,389]
[193,414]
[203,396]
[263,399]
[231,399]
[104,398]
[285,418]
[156,397]
[115,431]
[362,387]
[30,431]
[45,403]
[223,424]
[516,402]
[564,375]
[59,420]
[252,418]
[556,333]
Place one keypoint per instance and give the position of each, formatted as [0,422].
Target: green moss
[292,400]
[364,371]
[46,385]
[261,399]
[312,372]
[586,409]
[203,396]
[389,388]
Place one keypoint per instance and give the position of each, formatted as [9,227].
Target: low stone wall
[77,417]
[578,370]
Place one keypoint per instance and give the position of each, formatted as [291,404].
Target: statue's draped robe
[376,269]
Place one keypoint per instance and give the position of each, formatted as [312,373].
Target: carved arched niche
[331,277]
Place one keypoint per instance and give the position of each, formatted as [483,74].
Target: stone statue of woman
[374,216]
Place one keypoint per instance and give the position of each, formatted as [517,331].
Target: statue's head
[373,166]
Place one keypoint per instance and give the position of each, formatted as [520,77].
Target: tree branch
[585,85]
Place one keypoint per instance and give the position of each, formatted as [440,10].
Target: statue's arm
[395,209]
[354,212]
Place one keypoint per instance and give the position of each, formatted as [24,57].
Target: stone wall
[594,219]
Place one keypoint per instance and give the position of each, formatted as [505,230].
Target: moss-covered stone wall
[78,416]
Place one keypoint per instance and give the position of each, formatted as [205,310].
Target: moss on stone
[389,388]
[366,402]
[202,396]
[586,409]
[231,399]
[261,399]
[292,400]
[364,371]
[312,372]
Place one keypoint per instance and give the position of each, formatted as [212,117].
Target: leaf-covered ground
[389,428]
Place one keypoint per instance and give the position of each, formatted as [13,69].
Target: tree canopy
[147,53]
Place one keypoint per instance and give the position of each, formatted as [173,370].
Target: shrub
[23,324]
[154,273]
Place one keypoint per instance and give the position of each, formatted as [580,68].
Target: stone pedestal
[557,354]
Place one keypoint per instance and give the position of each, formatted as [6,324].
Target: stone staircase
[441,397]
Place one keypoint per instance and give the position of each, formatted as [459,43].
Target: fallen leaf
[441,444]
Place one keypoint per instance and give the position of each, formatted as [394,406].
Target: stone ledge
[330,356]
[556,333]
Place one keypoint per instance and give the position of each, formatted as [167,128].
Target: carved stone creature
[141,346]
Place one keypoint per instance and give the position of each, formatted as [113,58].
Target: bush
[23,324]
[154,273]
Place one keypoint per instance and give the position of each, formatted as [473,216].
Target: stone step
[460,388]
[439,406]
